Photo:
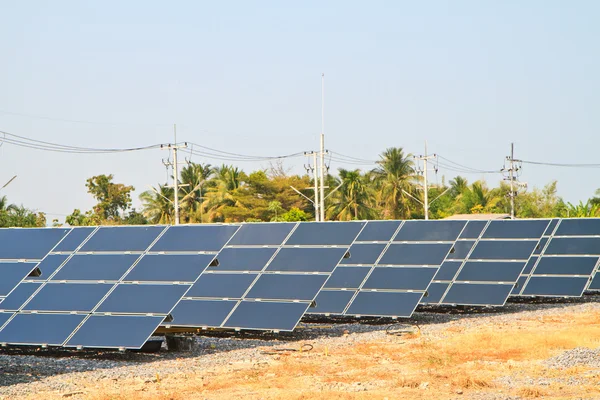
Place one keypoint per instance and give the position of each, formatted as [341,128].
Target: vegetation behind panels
[228,194]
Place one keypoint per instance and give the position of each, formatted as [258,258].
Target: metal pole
[425,194]
[316,179]
[322,206]
[512,191]
[176,176]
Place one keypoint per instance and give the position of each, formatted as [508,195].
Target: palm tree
[353,199]
[220,193]
[478,199]
[394,178]
[457,186]
[157,205]
[193,179]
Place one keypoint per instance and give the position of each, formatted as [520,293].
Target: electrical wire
[560,164]
[22,141]
[466,168]
[226,156]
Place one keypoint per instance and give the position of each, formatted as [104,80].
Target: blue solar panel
[199,313]
[287,287]
[325,233]
[222,285]
[332,301]
[415,254]
[96,267]
[493,294]
[347,277]
[122,238]
[307,259]
[262,234]
[244,259]
[579,227]
[17,297]
[574,246]
[378,231]
[421,231]
[473,229]
[435,292]
[195,238]
[490,271]
[40,329]
[128,332]
[404,278]
[555,286]
[364,254]
[30,243]
[68,297]
[503,250]
[387,304]
[143,299]
[510,229]
[48,265]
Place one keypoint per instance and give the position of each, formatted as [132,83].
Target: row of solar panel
[269,274]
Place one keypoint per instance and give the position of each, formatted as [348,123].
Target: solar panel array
[112,287]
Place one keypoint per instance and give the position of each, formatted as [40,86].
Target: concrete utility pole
[512,169]
[424,158]
[322,153]
[174,147]
[314,169]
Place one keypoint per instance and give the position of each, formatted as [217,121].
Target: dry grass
[465,360]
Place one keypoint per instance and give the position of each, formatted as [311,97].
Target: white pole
[425,194]
[176,176]
[322,206]
[316,179]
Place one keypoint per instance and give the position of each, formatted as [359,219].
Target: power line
[22,141]
[560,164]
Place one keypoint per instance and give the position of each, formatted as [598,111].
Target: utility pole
[512,170]
[322,153]
[315,172]
[424,158]
[174,147]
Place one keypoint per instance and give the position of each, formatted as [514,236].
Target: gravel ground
[24,372]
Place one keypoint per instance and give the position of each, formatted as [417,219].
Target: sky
[467,77]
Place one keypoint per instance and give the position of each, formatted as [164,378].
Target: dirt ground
[488,360]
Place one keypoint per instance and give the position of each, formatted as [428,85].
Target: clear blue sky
[467,76]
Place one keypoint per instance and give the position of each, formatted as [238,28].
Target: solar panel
[347,277]
[169,268]
[290,266]
[365,254]
[473,229]
[325,233]
[415,254]
[40,329]
[12,273]
[112,331]
[384,304]
[332,301]
[567,262]
[511,229]
[95,267]
[17,297]
[29,243]
[429,231]
[122,238]
[142,299]
[48,266]
[68,297]
[378,231]
[194,238]
[407,278]
[74,239]
[257,315]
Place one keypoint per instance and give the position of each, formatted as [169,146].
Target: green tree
[353,199]
[275,208]
[113,198]
[395,177]
[295,214]
[157,205]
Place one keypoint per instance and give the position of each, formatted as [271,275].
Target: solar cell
[48,265]
[540,246]
[262,315]
[404,278]
[68,297]
[415,254]
[447,271]
[169,268]
[473,229]
[40,329]
[222,285]
[511,229]
[103,331]
[422,231]
[378,231]
[143,299]
[530,264]
[364,254]
[566,265]
[262,234]
[594,284]
[74,239]
[332,301]
[96,267]
[492,294]
[244,259]
[198,313]
[386,304]
[188,238]
[307,259]
[574,246]
[490,271]
[287,287]
[503,250]
[122,238]
[29,243]
[461,249]
[12,274]
[555,286]
[325,233]
[578,227]
[347,277]
[435,292]
[17,297]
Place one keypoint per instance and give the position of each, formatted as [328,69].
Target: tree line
[391,190]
